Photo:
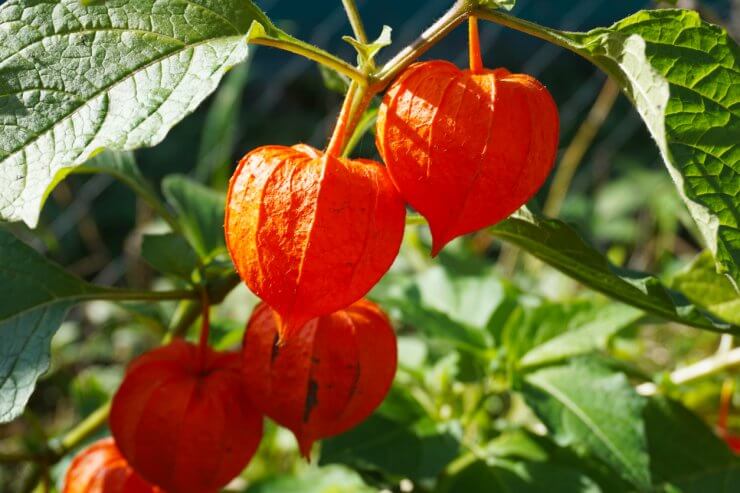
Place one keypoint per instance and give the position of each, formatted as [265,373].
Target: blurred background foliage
[452,402]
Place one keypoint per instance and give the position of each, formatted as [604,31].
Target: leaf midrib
[106,88]
[575,409]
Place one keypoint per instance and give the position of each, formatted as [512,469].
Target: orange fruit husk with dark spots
[183,420]
[311,233]
[100,468]
[466,148]
[328,377]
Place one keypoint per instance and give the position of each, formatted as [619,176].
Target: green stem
[353,14]
[707,367]
[81,432]
[135,295]
[325,59]
[552,35]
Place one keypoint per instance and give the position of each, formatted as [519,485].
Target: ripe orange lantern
[325,379]
[466,148]
[101,468]
[182,418]
[311,233]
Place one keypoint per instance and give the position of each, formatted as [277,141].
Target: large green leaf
[503,476]
[34,296]
[701,283]
[590,408]
[76,77]
[681,74]
[558,244]
[395,448]
[685,453]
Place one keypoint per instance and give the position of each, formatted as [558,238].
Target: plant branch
[81,432]
[545,33]
[707,367]
[135,295]
[353,14]
[453,18]
[325,59]
[339,136]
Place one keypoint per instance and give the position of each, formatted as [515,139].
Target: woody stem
[449,21]
[476,60]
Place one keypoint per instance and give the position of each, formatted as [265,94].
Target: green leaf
[701,283]
[725,479]
[76,78]
[331,479]
[559,245]
[516,445]
[200,211]
[680,72]
[438,326]
[366,51]
[394,448]
[684,452]
[170,254]
[221,126]
[588,407]
[532,325]
[34,297]
[25,354]
[504,476]
[588,334]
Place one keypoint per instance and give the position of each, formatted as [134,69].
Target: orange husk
[183,420]
[466,148]
[311,233]
[328,377]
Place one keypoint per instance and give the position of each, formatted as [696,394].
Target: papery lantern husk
[466,149]
[311,233]
[329,377]
[100,468]
[183,420]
